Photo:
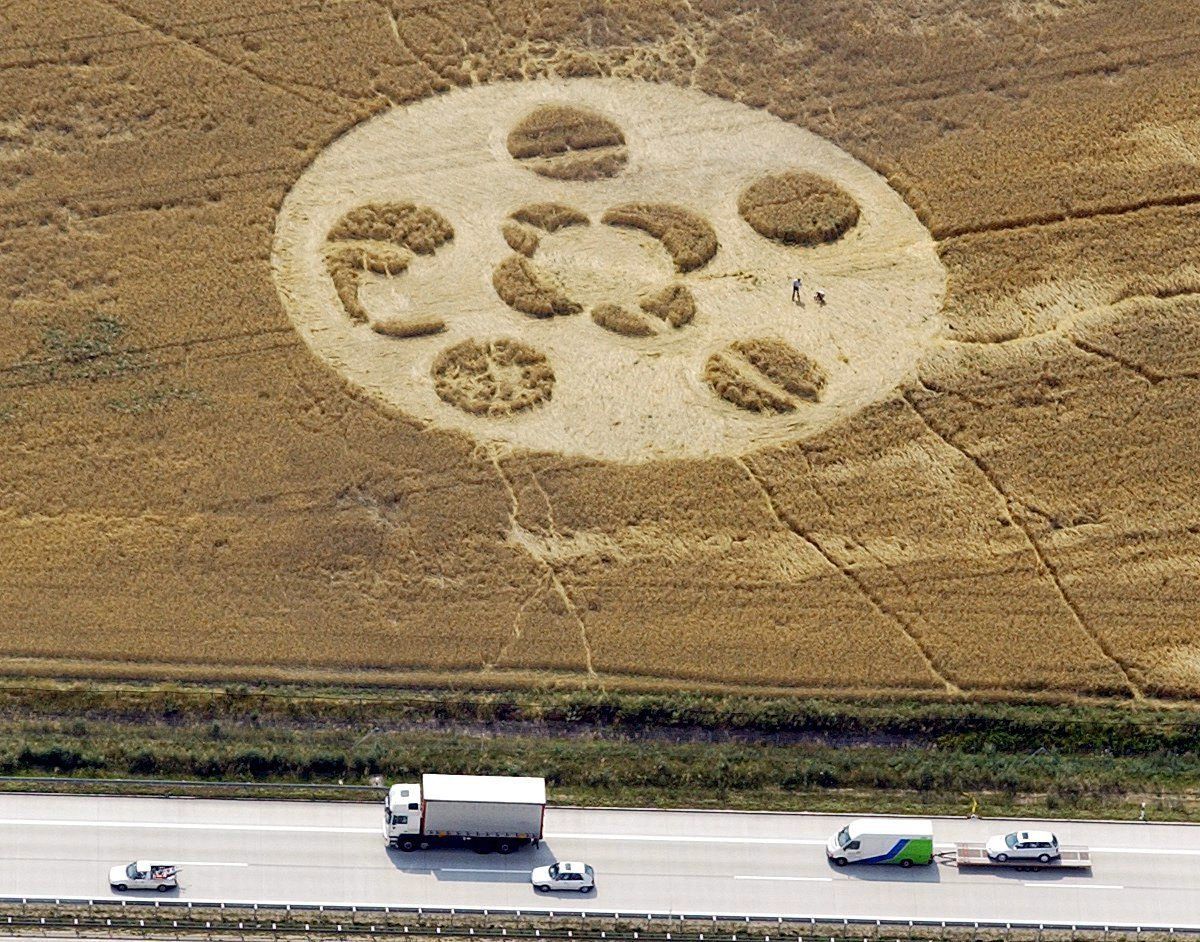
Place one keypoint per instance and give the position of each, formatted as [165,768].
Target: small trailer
[1069,858]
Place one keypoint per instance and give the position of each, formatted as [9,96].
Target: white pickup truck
[144,875]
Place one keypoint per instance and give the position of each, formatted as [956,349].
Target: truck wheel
[840,861]
[121,886]
[408,846]
[162,888]
[905,864]
[505,847]
[1044,858]
[1001,858]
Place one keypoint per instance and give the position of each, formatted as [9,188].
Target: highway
[646,861]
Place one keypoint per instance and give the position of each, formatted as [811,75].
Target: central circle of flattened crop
[602,267]
[598,263]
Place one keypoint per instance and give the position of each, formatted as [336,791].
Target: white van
[903,841]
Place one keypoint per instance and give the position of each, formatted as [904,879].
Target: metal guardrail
[455,912]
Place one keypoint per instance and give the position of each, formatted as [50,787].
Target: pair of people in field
[797,285]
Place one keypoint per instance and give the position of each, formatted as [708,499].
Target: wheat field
[973,476]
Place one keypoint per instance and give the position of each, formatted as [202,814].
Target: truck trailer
[484,812]
[1065,858]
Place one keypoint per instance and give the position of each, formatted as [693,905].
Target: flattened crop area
[460,340]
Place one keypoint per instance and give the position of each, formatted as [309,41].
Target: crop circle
[565,142]
[764,375]
[564,266]
[798,208]
[494,377]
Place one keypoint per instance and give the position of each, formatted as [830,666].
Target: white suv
[1023,845]
[564,875]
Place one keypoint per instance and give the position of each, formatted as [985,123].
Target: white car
[1023,845]
[564,875]
[144,875]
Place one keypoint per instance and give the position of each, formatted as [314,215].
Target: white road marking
[207,863]
[187,826]
[625,838]
[798,879]
[1078,886]
[312,829]
[687,839]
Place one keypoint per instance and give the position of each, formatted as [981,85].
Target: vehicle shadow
[172,893]
[456,864]
[1030,875]
[889,873]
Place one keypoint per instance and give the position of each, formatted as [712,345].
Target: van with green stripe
[900,841]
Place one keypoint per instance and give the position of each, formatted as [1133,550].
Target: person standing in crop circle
[796,286]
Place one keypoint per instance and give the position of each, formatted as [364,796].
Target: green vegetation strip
[176,922]
[597,748]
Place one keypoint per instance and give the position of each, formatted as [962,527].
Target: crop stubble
[1021,517]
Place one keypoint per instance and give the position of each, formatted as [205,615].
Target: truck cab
[402,816]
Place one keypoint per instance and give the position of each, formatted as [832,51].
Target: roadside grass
[619,749]
[150,921]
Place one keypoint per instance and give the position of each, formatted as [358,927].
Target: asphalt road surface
[646,861]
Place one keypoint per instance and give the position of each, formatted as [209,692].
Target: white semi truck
[484,812]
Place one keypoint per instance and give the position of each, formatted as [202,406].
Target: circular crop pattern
[525,287]
[764,376]
[798,208]
[381,239]
[687,237]
[604,268]
[672,306]
[495,377]
[568,143]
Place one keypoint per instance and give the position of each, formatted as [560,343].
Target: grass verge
[113,921]
[598,748]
